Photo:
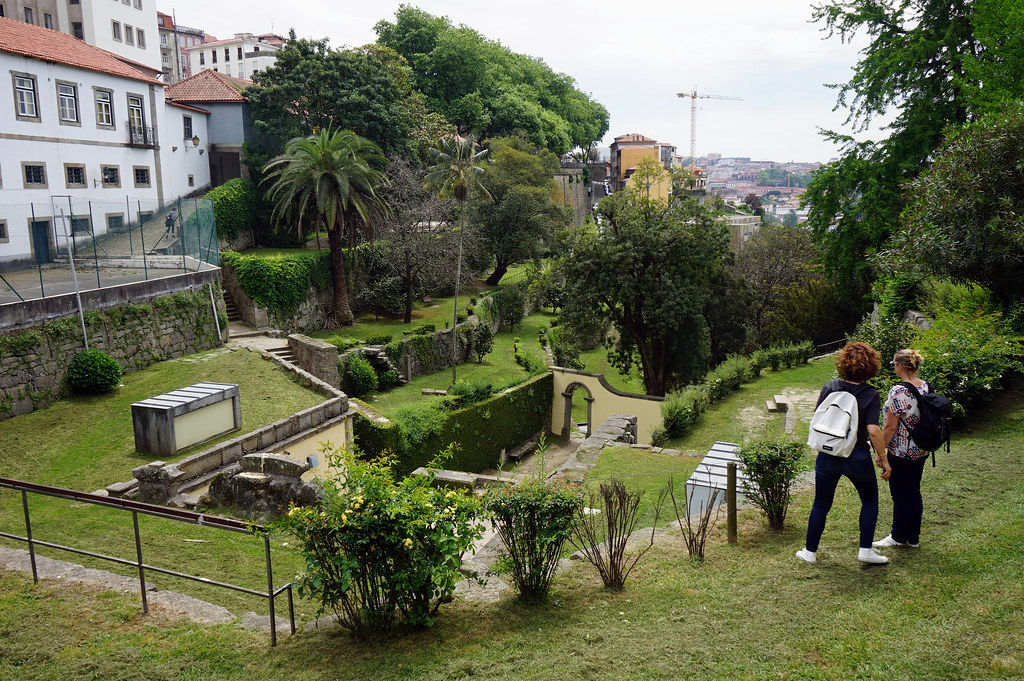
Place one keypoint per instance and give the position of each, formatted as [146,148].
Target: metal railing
[141,136]
[135,508]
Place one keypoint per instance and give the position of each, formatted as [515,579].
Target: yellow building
[627,151]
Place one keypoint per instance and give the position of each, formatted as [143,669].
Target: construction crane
[694,96]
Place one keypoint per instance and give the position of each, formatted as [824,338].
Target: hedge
[280,283]
[236,204]
[480,431]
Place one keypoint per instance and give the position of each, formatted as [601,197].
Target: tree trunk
[500,268]
[408,288]
[458,282]
[342,308]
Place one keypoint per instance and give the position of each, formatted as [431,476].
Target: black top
[869,406]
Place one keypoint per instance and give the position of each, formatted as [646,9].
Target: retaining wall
[318,357]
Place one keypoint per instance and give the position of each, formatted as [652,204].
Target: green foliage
[682,408]
[483,340]
[382,339]
[942,295]
[771,467]
[343,343]
[236,206]
[777,177]
[381,554]
[659,436]
[469,392]
[897,294]
[93,372]
[19,343]
[387,380]
[358,376]
[526,359]
[565,348]
[279,283]
[509,306]
[727,377]
[534,520]
[481,86]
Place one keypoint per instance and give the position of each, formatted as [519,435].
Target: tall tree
[520,216]
[914,64]
[456,171]
[328,181]
[650,272]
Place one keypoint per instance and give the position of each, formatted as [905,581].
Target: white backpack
[834,425]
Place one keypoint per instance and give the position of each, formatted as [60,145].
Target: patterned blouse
[902,404]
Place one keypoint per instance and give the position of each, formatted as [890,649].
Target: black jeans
[827,471]
[907,505]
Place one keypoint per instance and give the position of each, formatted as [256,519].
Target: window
[29,19]
[5,236]
[35,175]
[77,31]
[110,176]
[79,225]
[115,222]
[129,35]
[25,97]
[136,114]
[227,54]
[47,20]
[213,56]
[227,69]
[192,181]
[138,4]
[67,101]
[115,27]
[239,51]
[73,2]
[104,108]
[74,174]
[140,37]
[2,13]
[141,176]
[255,48]
[202,58]
[186,122]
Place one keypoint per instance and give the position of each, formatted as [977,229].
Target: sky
[633,57]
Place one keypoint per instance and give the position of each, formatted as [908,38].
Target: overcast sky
[632,56]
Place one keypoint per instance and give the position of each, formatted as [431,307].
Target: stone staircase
[229,306]
[284,352]
[378,359]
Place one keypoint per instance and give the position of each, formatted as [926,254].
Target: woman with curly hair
[856,363]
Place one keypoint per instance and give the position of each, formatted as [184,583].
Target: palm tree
[329,179]
[457,170]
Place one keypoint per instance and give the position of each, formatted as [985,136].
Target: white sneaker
[869,556]
[887,542]
[807,556]
[914,546]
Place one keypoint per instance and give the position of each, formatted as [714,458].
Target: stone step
[782,401]
[771,405]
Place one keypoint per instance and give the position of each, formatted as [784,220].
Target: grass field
[953,609]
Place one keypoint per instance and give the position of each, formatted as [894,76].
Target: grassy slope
[648,473]
[953,609]
[86,443]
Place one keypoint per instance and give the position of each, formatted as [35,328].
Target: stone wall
[574,194]
[312,314]
[318,357]
[262,486]
[34,357]
[430,353]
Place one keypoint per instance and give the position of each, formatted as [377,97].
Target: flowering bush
[382,554]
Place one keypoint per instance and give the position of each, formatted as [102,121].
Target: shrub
[758,362]
[93,372]
[420,330]
[358,376]
[681,409]
[387,380]
[898,293]
[695,526]
[377,340]
[534,519]
[603,537]
[279,283]
[771,467]
[343,343]
[483,340]
[509,306]
[564,348]
[236,204]
[381,554]
[727,377]
[659,436]
[469,392]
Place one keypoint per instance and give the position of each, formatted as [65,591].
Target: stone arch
[567,414]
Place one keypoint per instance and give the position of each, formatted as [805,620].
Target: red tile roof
[634,137]
[59,48]
[208,86]
[186,106]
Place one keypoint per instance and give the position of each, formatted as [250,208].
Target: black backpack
[933,429]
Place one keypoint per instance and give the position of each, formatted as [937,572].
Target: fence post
[270,591]
[730,501]
[39,265]
[138,561]
[28,535]
[95,253]
[291,608]
[128,221]
[142,239]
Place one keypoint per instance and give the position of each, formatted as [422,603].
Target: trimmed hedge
[280,283]
[236,204]
[480,431]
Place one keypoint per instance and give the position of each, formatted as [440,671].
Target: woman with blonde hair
[856,363]
[906,459]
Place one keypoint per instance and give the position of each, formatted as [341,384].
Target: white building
[242,56]
[80,127]
[127,28]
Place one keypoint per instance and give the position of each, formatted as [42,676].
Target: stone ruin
[262,485]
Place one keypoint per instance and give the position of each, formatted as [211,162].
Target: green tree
[517,216]
[914,63]
[456,171]
[312,86]
[328,181]
[965,219]
[753,203]
[649,272]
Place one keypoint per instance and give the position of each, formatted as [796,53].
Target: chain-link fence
[107,243]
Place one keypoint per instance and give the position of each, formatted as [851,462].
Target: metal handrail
[135,508]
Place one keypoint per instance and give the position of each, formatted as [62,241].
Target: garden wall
[480,431]
[430,353]
[159,324]
[312,313]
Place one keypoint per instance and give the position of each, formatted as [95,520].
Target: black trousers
[907,504]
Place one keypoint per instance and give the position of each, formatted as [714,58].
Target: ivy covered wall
[34,359]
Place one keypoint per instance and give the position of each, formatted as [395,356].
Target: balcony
[141,137]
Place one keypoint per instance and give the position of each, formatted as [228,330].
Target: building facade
[243,56]
[175,40]
[627,151]
[128,28]
[87,143]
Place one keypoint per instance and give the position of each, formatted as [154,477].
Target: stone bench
[168,423]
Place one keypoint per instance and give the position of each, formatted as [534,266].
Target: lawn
[953,609]
[648,473]
[86,443]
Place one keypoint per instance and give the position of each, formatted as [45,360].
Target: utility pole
[694,96]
